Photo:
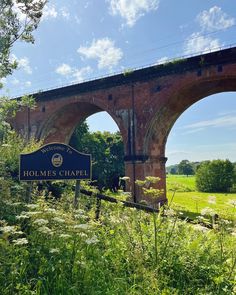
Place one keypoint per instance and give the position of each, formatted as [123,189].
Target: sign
[55,161]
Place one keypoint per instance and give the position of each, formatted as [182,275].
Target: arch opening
[99,136]
[105,142]
[204,131]
[166,115]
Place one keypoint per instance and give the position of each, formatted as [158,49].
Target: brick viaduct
[144,104]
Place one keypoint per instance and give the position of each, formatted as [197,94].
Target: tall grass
[51,248]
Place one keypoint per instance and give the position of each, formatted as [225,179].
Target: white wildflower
[16,204]
[92,240]
[65,236]
[201,228]
[40,221]
[225,222]
[83,226]
[212,199]
[19,232]
[232,203]
[169,212]
[58,220]
[32,213]
[54,250]
[115,220]
[233,232]
[51,210]
[8,229]
[22,241]
[200,218]
[80,212]
[82,235]
[22,216]
[45,230]
[79,216]
[32,206]
[207,211]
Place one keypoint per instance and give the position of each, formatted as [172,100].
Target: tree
[215,176]
[18,19]
[173,170]
[107,152]
[186,168]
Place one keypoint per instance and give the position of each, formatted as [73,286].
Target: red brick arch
[144,104]
[164,118]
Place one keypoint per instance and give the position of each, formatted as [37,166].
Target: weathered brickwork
[145,105]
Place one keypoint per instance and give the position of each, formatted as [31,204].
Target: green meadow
[183,196]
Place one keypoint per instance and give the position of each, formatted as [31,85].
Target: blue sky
[81,40]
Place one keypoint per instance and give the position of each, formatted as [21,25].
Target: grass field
[191,202]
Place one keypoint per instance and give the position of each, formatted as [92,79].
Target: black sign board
[55,161]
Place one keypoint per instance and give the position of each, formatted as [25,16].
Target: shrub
[215,176]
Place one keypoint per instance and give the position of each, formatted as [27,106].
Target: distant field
[187,199]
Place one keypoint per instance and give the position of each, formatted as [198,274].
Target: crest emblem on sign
[57,160]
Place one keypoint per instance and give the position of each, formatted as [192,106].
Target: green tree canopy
[215,176]
[107,152]
[185,168]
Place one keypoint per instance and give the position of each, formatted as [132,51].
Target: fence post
[77,194]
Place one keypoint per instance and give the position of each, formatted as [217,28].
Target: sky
[80,40]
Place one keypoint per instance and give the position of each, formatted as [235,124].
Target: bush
[215,176]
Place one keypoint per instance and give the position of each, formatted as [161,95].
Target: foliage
[10,186]
[185,167]
[107,152]
[215,176]
[51,248]
[128,72]
[18,19]
[8,109]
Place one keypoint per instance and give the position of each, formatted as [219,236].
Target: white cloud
[197,43]
[52,12]
[132,10]
[224,121]
[64,13]
[28,83]
[79,74]
[15,81]
[23,63]
[77,20]
[64,70]
[49,12]
[74,74]
[3,80]
[214,19]
[104,51]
